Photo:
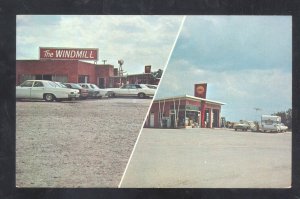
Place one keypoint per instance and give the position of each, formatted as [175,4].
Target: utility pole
[257,109]
[120,62]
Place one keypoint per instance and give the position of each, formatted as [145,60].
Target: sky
[246,62]
[138,40]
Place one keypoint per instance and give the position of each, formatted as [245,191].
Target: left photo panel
[84,85]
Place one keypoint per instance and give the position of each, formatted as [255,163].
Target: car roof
[39,80]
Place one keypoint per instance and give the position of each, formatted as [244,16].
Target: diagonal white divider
[166,65]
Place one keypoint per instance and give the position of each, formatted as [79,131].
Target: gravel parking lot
[76,144]
[210,158]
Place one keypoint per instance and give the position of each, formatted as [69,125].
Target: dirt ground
[76,144]
[210,158]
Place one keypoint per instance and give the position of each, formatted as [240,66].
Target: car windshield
[92,86]
[95,86]
[76,86]
[62,85]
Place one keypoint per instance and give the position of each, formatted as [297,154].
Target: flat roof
[190,98]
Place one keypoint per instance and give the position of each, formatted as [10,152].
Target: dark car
[245,126]
[83,92]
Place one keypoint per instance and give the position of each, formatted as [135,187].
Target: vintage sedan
[95,91]
[82,91]
[283,128]
[45,90]
[104,92]
[138,90]
[151,86]
[244,126]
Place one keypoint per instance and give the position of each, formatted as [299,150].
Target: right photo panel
[222,114]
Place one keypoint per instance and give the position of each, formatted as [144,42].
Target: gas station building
[185,111]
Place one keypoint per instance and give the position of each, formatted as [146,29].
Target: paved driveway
[210,158]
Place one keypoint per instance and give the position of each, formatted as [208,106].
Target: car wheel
[49,97]
[141,95]
[110,95]
[278,130]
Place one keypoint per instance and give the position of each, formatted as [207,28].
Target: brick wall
[47,67]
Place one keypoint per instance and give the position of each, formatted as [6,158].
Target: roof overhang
[188,97]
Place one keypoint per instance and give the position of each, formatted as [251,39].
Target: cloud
[246,61]
[237,42]
[241,90]
[138,40]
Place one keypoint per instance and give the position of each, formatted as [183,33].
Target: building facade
[75,71]
[184,112]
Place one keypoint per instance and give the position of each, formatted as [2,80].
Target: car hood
[67,89]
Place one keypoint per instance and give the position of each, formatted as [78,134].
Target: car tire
[141,95]
[278,130]
[110,94]
[49,97]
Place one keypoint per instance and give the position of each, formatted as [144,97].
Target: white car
[139,90]
[95,91]
[283,128]
[44,89]
[151,86]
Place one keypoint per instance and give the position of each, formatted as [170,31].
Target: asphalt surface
[76,144]
[210,158]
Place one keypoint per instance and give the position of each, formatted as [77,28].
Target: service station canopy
[69,53]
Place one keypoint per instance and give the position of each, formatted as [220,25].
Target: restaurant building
[64,65]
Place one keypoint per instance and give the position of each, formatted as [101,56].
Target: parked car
[151,86]
[92,93]
[82,91]
[245,126]
[103,92]
[241,126]
[253,126]
[44,89]
[95,91]
[139,90]
[283,128]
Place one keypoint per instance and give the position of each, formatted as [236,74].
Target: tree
[286,117]
[157,74]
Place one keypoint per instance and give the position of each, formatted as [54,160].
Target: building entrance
[215,123]
[101,82]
